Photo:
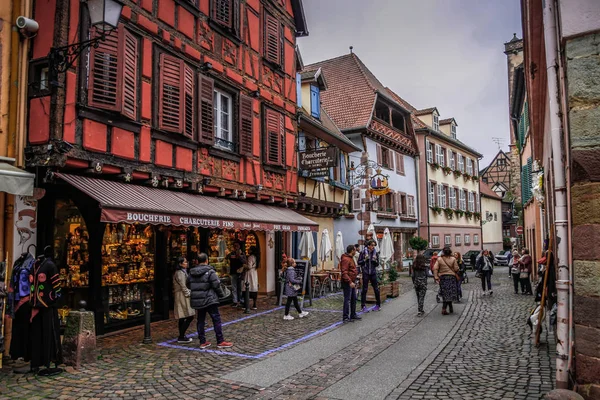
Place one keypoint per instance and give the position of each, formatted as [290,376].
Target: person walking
[369,261]
[445,272]
[184,313]
[418,273]
[473,260]
[485,270]
[515,270]
[349,274]
[237,259]
[251,275]
[206,291]
[462,270]
[525,268]
[290,289]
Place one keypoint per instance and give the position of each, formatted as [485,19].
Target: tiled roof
[308,73]
[487,191]
[425,111]
[351,91]
[417,123]
[403,140]
[447,121]
[328,126]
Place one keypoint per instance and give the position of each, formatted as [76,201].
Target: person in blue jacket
[368,262]
[290,289]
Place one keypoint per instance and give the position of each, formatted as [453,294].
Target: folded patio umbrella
[325,250]
[339,247]
[386,250]
[307,245]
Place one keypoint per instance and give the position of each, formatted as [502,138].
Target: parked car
[467,257]
[501,257]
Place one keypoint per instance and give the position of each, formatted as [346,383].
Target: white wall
[579,16]
[491,230]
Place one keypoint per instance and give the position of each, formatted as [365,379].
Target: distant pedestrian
[251,275]
[445,272]
[206,291]
[356,254]
[485,269]
[526,267]
[473,260]
[349,274]
[369,261]
[433,260]
[237,260]
[418,272]
[515,270]
[184,313]
[290,289]
[462,271]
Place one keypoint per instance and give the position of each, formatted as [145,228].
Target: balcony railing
[226,145]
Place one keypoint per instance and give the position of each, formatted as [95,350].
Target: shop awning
[15,181]
[121,202]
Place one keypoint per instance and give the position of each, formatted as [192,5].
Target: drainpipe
[563,283]
[418,205]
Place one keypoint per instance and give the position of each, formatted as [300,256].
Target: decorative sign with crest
[378,185]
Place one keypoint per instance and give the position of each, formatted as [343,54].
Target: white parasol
[371,229]
[325,250]
[387,247]
[339,246]
[306,246]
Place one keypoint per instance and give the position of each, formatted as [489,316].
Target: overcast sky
[443,53]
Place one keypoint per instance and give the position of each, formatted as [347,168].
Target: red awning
[121,202]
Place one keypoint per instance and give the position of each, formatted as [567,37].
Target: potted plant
[447,170]
[418,244]
[477,215]
[384,287]
[459,213]
[449,212]
[466,176]
[475,178]
[469,214]
[457,173]
[435,166]
[392,277]
[436,210]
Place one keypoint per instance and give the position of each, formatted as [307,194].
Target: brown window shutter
[272,39]
[379,155]
[222,12]
[206,108]
[129,55]
[274,137]
[104,87]
[246,123]
[170,98]
[189,111]
[398,204]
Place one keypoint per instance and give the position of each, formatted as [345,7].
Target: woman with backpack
[445,272]
[290,289]
[183,311]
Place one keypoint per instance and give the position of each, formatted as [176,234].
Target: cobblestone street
[482,351]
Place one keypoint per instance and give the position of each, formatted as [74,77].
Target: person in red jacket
[349,275]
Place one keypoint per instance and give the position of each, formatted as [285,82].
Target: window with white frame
[471,202]
[453,130]
[441,193]
[451,159]
[477,206]
[435,240]
[439,155]
[475,239]
[457,239]
[223,120]
[411,206]
[436,122]
[462,203]
[461,163]
[431,192]
[429,150]
[468,239]
[452,195]
[469,166]
[447,240]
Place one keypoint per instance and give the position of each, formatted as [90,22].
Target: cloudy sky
[442,53]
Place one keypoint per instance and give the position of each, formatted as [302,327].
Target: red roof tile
[425,111]
[485,190]
[447,121]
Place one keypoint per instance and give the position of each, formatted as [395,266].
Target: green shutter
[525,119]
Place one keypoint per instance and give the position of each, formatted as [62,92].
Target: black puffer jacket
[205,287]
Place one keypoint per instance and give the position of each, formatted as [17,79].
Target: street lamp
[104,16]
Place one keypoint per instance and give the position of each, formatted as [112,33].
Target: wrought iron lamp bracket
[60,59]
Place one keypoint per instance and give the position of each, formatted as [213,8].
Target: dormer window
[315,102]
[382,112]
[453,130]
[436,122]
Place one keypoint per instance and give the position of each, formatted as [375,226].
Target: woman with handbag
[515,270]
[290,289]
[445,272]
[183,310]
[485,269]
[525,263]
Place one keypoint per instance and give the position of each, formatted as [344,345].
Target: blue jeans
[236,288]
[365,286]
[486,276]
[349,301]
[213,311]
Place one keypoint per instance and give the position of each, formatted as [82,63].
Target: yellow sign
[379,184]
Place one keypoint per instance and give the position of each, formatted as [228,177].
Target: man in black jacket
[206,291]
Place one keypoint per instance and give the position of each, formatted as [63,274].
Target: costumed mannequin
[19,308]
[45,325]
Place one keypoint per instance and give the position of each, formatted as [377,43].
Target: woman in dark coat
[290,289]
[418,272]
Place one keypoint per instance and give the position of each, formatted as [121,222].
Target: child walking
[290,289]
[419,278]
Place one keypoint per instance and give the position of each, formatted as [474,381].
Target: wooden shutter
[222,12]
[129,55]
[274,137]
[246,124]
[272,39]
[379,154]
[104,88]
[189,111]
[315,102]
[171,96]
[206,94]
[298,89]
[356,206]
[400,163]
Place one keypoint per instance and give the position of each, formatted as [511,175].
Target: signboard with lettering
[143,217]
[318,158]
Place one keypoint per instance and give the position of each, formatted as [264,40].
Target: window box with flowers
[449,212]
[475,178]
[466,176]
[436,210]
[459,213]
[435,166]
[469,214]
[457,173]
[477,215]
[447,170]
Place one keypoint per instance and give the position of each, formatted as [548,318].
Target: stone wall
[583,74]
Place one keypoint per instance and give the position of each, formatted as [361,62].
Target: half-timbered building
[175,135]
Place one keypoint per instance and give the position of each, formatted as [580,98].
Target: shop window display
[221,244]
[127,270]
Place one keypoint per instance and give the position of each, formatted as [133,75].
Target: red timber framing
[188,92]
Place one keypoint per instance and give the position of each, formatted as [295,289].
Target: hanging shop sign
[318,158]
[379,184]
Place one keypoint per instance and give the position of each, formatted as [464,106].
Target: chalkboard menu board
[302,269]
